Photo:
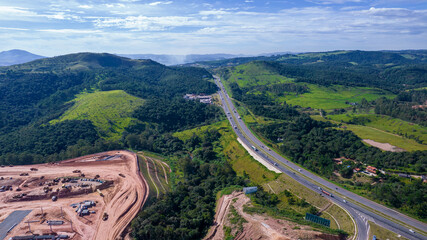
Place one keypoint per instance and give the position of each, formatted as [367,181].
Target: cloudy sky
[55,27]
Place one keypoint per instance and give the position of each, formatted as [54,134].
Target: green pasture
[332,97]
[109,111]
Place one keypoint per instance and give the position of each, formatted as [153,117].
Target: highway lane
[360,208]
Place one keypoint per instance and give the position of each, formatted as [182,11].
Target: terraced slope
[109,111]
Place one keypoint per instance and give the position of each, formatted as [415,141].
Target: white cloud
[86,6]
[15,11]
[148,23]
[214,12]
[16,29]
[70,31]
[158,3]
[327,2]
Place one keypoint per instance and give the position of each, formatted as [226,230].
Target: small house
[371,169]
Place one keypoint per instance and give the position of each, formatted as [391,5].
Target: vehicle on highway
[299,169]
[327,193]
[275,164]
[344,201]
[254,148]
[412,231]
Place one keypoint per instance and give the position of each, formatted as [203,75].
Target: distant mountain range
[17,56]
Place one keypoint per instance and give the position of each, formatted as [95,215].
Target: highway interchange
[361,209]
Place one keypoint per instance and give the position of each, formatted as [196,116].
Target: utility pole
[29,227]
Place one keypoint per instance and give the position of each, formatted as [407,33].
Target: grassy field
[384,129]
[388,124]
[365,132]
[339,218]
[319,97]
[332,97]
[255,74]
[153,191]
[109,111]
[344,221]
[382,233]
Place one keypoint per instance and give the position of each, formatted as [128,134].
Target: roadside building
[371,169]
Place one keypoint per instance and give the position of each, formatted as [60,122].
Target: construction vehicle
[100,193]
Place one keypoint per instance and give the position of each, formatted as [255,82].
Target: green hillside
[410,136]
[336,96]
[44,91]
[263,77]
[109,111]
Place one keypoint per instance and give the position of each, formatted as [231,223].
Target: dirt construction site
[242,225]
[90,197]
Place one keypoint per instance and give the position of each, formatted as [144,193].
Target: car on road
[344,201]
[412,231]
[275,164]
[299,169]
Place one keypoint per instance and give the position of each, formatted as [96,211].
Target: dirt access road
[121,200]
[256,226]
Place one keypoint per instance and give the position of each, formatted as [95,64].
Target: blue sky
[55,27]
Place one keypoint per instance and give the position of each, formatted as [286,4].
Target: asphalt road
[11,221]
[360,208]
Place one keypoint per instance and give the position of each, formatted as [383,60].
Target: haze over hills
[17,56]
[180,59]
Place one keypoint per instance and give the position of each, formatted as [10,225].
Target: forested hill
[62,89]
[79,62]
[377,59]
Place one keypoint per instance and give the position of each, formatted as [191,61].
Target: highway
[361,209]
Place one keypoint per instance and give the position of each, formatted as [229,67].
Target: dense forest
[402,106]
[35,93]
[187,211]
